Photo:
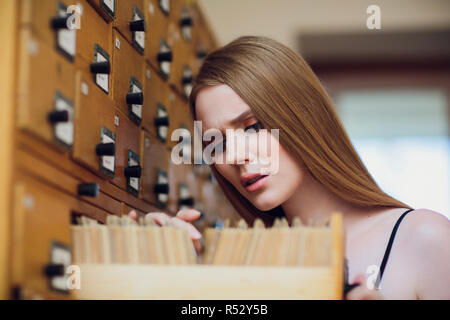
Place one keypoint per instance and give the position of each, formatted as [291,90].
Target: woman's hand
[362,292]
[181,220]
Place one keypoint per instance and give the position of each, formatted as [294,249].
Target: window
[402,136]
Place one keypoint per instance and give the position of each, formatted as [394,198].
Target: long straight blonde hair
[284,93]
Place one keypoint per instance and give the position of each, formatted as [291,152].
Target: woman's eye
[256,126]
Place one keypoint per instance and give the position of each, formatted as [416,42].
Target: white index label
[60,256]
[102,79]
[108,161]
[134,182]
[67,40]
[165,4]
[187,89]
[162,130]
[139,36]
[184,192]
[162,197]
[187,33]
[109,4]
[165,67]
[136,108]
[64,130]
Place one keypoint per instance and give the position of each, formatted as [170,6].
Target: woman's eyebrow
[236,120]
[241,117]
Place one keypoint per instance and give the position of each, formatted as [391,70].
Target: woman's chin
[266,202]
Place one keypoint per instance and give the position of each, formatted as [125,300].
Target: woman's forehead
[217,105]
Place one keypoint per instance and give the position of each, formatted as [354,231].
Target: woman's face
[263,159]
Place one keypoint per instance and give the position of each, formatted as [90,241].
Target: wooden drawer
[181,55]
[41,220]
[311,267]
[157,93]
[46,92]
[128,159]
[131,23]
[47,20]
[181,192]
[155,162]
[176,11]
[128,78]
[94,31]
[182,17]
[209,196]
[202,39]
[94,128]
[94,47]
[184,68]
[157,23]
[180,118]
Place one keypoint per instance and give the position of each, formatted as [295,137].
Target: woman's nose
[243,153]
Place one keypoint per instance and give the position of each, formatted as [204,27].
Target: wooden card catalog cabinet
[46,92]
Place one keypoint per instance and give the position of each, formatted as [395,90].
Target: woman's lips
[258,184]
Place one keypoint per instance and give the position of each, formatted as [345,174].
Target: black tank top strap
[389,247]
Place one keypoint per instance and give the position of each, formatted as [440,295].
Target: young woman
[255,83]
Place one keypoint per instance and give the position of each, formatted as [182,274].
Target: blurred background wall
[391,87]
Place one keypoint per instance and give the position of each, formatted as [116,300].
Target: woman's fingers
[197,245]
[362,292]
[188,214]
[159,217]
[359,279]
[193,232]
[133,214]
[180,221]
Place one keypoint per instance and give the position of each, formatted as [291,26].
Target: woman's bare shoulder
[426,239]
[426,227]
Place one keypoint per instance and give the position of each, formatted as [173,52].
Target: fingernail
[195,235]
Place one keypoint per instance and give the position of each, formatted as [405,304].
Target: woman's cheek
[225,171]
